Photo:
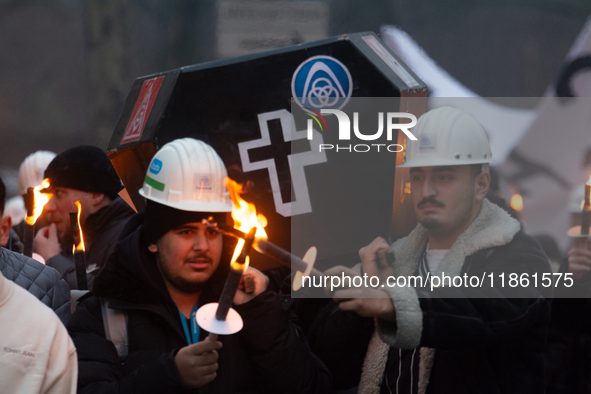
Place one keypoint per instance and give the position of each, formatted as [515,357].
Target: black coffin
[226,103]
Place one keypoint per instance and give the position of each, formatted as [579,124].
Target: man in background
[84,174]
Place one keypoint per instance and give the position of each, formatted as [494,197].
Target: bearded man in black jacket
[480,337]
[166,265]
[84,174]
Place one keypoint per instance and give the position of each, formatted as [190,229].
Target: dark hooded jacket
[43,282]
[268,355]
[100,231]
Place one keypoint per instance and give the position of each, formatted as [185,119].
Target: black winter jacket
[268,355]
[43,282]
[465,344]
[101,231]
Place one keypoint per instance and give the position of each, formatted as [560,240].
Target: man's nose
[200,243]
[50,206]
[428,188]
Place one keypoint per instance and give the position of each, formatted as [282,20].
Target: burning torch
[78,248]
[34,203]
[220,318]
[302,267]
[582,231]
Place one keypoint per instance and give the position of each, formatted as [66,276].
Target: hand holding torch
[220,318]
[582,231]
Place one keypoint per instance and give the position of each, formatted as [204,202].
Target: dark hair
[475,170]
[2,197]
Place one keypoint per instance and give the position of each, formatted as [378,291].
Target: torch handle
[228,293]
[212,337]
[585,222]
[28,236]
[80,265]
[281,255]
[79,259]
[75,227]
[29,232]
[586,214]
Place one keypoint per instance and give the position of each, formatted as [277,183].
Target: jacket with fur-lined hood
[465,344]
[267,356]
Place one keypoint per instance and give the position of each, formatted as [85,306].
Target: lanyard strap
[193,337]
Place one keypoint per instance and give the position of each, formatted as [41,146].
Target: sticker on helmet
[203,182]
[156,166]
[155,184]
[427,141]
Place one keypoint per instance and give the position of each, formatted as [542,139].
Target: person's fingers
[338,270]
[578,265]
[349,306]
[209,368]
[207,363]
[42,231]
[582,256]
[52,234]
[203,347]
[207,358]
[347,294]
[385,257]
[373,247]
[209,377]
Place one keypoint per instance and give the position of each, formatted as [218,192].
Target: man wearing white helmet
[166,264]
[451,339]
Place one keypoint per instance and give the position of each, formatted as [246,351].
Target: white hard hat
[575,199]
[187,174]
[30,172]
[447,136]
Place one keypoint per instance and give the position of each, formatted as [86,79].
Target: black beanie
[84,168]
[160,219]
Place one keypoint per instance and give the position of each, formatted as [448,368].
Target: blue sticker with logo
[427,142]
[322,82]
[156,166]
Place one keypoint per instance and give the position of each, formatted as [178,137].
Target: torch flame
[517,202]
[589,181]
[40,199]
[245,218]
[80,246]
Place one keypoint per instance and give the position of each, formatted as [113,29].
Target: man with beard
[449,339]
[84,174]
[166,265]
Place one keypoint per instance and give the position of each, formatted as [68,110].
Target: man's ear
[97,198]
[153,248]
[5,226]
[481,185]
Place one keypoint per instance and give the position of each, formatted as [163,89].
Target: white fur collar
[492,227]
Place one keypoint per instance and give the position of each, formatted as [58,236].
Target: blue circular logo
[321,82]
